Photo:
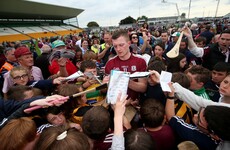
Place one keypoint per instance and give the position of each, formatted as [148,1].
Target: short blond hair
[187,145]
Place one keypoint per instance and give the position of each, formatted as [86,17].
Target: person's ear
[129,42]
[201,84]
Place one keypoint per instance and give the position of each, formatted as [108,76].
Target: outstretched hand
[59,80]
[49,101]
[119,107]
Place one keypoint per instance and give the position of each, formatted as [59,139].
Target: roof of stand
[21,9]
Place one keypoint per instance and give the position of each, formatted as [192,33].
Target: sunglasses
[134,37]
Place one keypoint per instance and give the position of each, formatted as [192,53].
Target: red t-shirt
[70,67]
[164,138]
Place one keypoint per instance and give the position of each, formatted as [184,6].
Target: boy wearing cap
[175,36]
[25,58]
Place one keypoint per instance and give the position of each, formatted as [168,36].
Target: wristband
[170,97]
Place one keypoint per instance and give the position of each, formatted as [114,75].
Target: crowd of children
[194,115]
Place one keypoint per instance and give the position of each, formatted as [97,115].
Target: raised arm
[193,100]
[169,107]
[119,110]
[197,51]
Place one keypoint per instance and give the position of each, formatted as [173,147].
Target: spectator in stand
[42,61]
[218,52]
[25,59]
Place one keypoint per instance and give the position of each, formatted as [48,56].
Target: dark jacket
[212,55]
[7,107]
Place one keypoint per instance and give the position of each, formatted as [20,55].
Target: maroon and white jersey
[134,64]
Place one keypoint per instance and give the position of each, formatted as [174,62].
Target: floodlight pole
[178,13]
[77,22]
[217,7]
[189,8]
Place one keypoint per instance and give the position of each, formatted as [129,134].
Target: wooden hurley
[174,52]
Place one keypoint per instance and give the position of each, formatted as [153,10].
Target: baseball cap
[176,34]
[22,51]
[57,43]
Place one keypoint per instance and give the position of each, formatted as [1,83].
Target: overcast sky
[110,12]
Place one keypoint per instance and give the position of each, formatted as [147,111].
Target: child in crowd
[22,92]
[158,94]
[187,145]
[19,134]
[198,76]
[62,138]
[137,139]
[56,116]
[219,72]
[21,76]
[96,124]
[76,107]
[88,67]
[152,114]
[178,64]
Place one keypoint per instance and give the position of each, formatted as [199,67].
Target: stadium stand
[23,22]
